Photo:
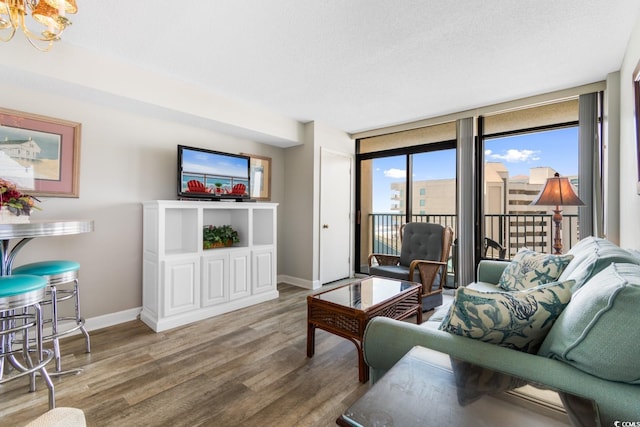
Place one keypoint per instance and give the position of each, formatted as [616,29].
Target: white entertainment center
[184,283]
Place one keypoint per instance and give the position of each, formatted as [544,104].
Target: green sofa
[592,349]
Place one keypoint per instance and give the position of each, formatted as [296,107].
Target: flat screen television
[212,175]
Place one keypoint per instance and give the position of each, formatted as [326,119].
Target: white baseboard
[94,323]
[301,283]
[112,319]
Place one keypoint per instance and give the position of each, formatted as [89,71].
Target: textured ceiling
[363,64]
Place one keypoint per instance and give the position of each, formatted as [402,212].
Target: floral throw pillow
[519,319]
[529,268]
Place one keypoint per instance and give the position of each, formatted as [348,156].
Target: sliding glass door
[418,185]
[382,210]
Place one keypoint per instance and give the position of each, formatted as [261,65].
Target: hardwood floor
[248,367]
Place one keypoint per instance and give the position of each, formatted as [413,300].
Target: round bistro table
[25,232]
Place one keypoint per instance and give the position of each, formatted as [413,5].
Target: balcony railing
[512,231]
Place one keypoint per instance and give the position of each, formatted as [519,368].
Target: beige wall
[128,155]
[297,260]
[629,198]
[301,263]
[126,158]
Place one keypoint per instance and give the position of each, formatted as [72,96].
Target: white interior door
[335,215]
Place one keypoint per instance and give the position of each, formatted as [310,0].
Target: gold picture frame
[260,173]
[40,154]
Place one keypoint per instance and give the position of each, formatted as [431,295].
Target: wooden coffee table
[346,310]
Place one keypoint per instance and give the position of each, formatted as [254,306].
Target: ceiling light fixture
[52,14]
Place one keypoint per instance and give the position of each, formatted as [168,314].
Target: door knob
[325,225]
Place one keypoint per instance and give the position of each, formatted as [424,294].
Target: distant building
[510,217]
[437,196]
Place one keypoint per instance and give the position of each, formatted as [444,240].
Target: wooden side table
[346,310]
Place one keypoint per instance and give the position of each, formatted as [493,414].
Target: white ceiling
[363,64]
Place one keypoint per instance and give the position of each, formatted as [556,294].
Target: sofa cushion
[635,253]
[529,268]
[592,255]
[517,319]
[599,332]
[484,287]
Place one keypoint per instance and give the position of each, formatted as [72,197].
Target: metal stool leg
[41,357]
[62,278]
[54,326]
[80,320]
[18,322]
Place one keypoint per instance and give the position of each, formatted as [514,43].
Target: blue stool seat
[18,295]
[58,273]
[21,291]
[20,284]
[64,270]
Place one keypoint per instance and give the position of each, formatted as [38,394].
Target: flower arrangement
[219,236]
[16,202]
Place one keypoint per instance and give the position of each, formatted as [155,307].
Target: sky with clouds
[557,149]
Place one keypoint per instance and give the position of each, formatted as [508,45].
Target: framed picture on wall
[41,155]
[260,172]
[636,95]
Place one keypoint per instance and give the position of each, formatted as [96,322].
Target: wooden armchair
[423,258]
[492,244]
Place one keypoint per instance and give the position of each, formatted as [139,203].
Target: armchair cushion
[599,332]
[529,268]
[519,319]
[399,272]
[421,241]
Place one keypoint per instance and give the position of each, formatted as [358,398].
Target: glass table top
[365,293]
[429,388]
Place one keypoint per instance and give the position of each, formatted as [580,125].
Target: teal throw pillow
[599,332]
[519,320]
[529,268]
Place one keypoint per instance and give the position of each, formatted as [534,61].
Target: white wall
[629,198]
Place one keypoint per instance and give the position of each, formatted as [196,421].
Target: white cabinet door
[264,277]
[215,278]
[239,279]
[181,285]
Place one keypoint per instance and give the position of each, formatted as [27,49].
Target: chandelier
[51,14]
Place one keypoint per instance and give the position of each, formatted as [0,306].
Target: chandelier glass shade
[47,23]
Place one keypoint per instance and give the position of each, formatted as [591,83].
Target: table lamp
[557,192]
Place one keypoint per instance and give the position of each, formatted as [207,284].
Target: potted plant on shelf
[15,207]
[218,236]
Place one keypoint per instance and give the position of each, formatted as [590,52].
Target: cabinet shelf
[183,282]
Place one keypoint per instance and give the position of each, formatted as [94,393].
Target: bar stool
[58,274]
[20,298]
